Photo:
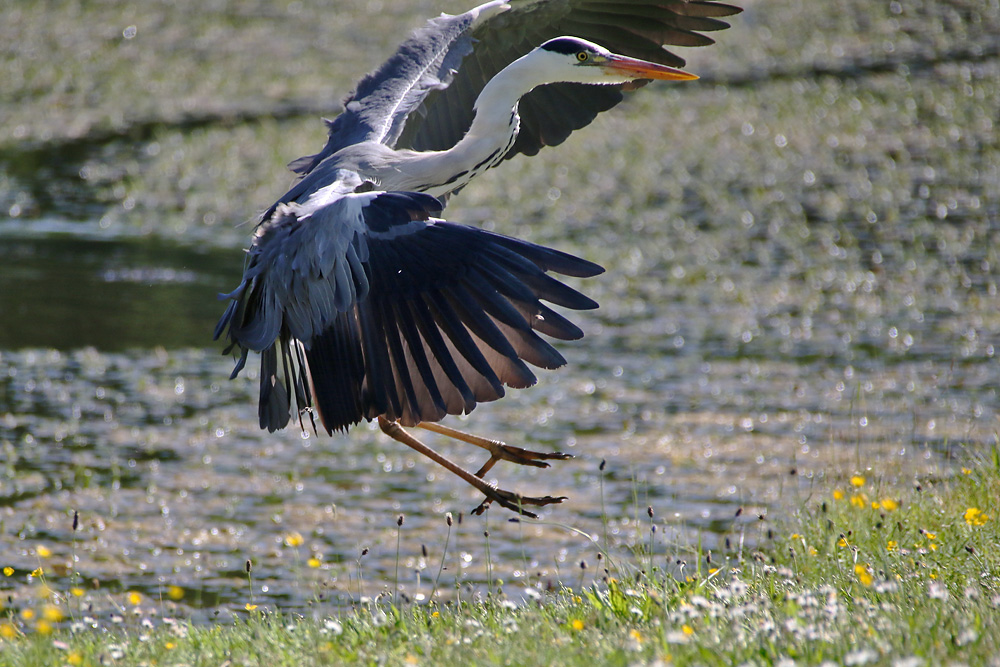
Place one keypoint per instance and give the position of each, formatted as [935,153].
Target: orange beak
[642,69]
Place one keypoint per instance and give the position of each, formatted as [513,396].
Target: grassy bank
[860,575]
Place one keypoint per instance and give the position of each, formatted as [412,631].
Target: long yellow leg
[498,450]
[512,501]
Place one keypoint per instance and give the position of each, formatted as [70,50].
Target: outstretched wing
[382,101]
[365,304]
[549,114]
[422,97]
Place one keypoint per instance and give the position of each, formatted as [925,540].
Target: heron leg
[512,501]
[498,450]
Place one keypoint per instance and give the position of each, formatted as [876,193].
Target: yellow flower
[864,575]
[436,614]
[975,517]
[249,607]
[52,613]
[889,505]
[929,535]
[838,494]
[577,624]
[687,629]
[812,551]
[43,551]
[27,614]
[842,543]
[134,598]
[410,659]
[857,481]
[636,635]
[175,592]
[74,659]
[314,562]
[170,646]
[77,592]
[8,571]
[37,572]
[294,539]
[43,627]
[795,536]
[966,471]
[7,631]
[859,500]
[892,545]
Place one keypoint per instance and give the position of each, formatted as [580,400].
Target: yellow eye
[582,56]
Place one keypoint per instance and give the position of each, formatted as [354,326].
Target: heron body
[362,301]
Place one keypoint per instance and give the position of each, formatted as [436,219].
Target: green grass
[860,575]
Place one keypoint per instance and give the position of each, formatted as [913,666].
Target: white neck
[489,138]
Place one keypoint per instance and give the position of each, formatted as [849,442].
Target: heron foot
[498,450]
[515,502]
[524,457]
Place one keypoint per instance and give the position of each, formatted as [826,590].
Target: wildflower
[687,629]
[966,471]
[37,572]
[859,500]
[294,539]
[27,614]
[74,659]
[314,562]
[7,631]
[43,551]
[77,592]
[635,635]
[975,517]
[249,607]
[436,614]
[577,624]
[175,592]
[838,494]
[857,481]
[8,571]
[842,543]
[170,646]
[812,551]
[889,505]
[52,613]
[134,598]
[863,575]
[892,545]
[795,536]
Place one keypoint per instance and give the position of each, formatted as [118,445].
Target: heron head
[581,61]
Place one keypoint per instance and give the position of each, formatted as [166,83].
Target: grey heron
[362,302]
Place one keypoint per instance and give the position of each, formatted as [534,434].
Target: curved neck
[489,138]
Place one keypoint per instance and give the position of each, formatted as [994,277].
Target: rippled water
[801,286]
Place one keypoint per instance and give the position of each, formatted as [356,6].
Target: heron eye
[582,56]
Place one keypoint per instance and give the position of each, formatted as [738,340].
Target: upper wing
[549,114]
[379,106]
[364,305]
[422,97]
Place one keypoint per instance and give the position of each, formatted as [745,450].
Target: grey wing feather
[549,114]
[379,106]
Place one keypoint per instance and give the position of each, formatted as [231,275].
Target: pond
[801,288]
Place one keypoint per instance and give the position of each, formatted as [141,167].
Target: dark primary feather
[422,97]
[438,316]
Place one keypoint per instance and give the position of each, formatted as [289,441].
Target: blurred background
[802,252]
